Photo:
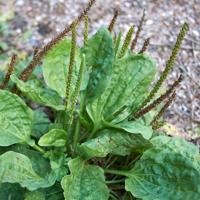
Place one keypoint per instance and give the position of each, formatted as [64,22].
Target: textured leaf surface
[165,173]
[86,182]
[43,96]
[58,160]
[114,142]
[17,168]
[129,85]
[15,119]
[55,137]
[176,144]
[136,127]
[40,164]
[41,124]
[35,195]
[54,192]
[55,67]
[12,191]
[99,53]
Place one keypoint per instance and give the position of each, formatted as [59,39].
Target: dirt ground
[34,22]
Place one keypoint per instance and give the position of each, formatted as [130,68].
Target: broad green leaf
[41,124]
[55,137]
[54,192]
[35,195]
[12,191]
[128,87]
[17,168]
[55,67]
[40,164]
[166,173]
[99,53]
[86,182]
[15,120]
[136,127]
[38,94]
[113,142]
[176,144]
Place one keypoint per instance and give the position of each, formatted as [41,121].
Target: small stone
[196,33]
[19,2]
[149,22]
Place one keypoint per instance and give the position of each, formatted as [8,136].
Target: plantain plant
[94,132]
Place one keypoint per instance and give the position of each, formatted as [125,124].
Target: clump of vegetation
[94,131]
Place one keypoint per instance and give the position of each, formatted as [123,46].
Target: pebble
[19,3]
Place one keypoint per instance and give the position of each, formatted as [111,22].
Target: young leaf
[55,68]
[99,53]
[164,172]
[55,137]
[43,96]
[15,120]
[17,168]
[86,182]
[128,87]
[115,142]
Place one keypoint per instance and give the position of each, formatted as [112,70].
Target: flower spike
[145,46]
[113,21]
[160,99]
[134,42]
[9,72]
[126,42]
[85,33]
[71,65]
[37,59]
[169,64]
[163,109]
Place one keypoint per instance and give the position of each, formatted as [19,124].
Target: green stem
[112,162]
[109,125]
[36,147]
[117,172]
[91,135]
[78,124]
[115,181]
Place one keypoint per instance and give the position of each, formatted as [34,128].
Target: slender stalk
[112,162]
[169,64]
[36,147]
[74,100]
[115,181]
[9,72]
[116,172]
[91,135]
